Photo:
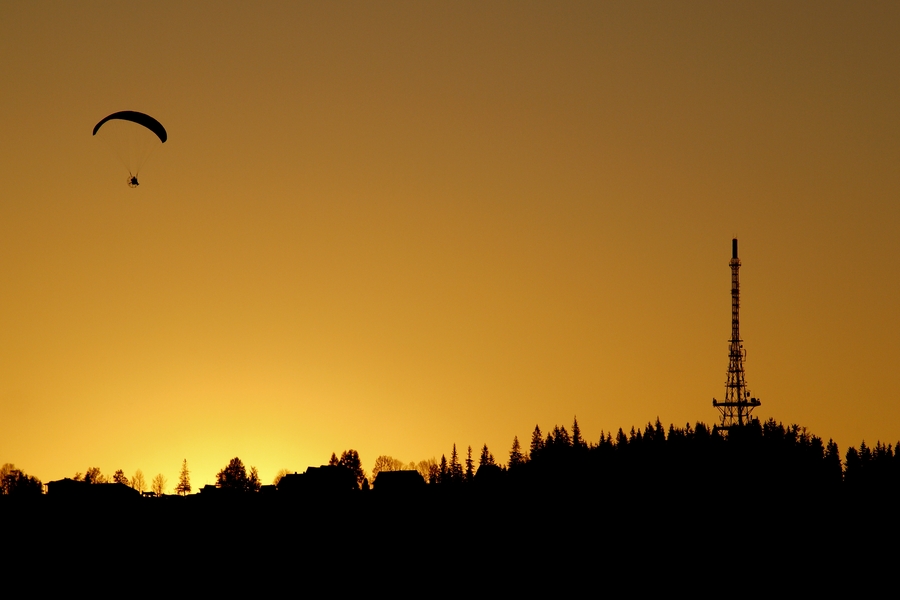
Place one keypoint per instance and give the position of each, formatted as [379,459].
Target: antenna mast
[738,404]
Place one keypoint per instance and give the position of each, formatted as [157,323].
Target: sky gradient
[394,226]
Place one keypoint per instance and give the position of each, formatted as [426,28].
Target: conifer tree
[577,441]
[537,443]
[515,455]
[444,473]
[621,440]
[486,457]
[456,470]
[470,467]
[184,480]
[561,437]
[832,463]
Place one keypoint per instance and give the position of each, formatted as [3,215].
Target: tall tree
[577,441]
[561,437]
[350,459]
[93,475]
[486,457]
[833,468]
[119,477]
[515,454]
[429,470]
[137,482]
[233,477]
[444,471]
[158,485]
[13,482]
[184,480]
[537,443]
[456,470]
[382,463]
[470,467]
[253,482]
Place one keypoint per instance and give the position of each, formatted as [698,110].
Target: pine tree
[515,455]
[444,473]
[537,443]
[621,440]
[577,441]
[833,468]
[184,480]
[486,457]
[456,470]
[561,437]
[470,467]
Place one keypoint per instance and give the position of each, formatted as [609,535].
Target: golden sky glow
[395,226]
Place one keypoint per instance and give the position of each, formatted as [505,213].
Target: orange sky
[396,226]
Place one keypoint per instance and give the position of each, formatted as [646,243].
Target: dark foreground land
[684,503]
[521,532]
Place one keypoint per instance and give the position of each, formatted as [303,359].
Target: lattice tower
[735,409]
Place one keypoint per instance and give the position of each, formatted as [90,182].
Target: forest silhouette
[766,463]
[669,497]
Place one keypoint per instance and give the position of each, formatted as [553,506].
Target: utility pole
[735,409]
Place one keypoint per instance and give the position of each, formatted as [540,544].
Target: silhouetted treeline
[764,457]
[13,482]
[559,499]
[873,469]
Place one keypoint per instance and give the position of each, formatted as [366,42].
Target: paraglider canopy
[132,136]
[139,118]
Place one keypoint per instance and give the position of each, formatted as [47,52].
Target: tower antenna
[735,409]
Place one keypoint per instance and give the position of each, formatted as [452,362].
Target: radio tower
[738,404]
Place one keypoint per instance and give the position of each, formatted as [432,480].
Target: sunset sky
[395,226]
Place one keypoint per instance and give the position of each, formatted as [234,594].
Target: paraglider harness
[132,181]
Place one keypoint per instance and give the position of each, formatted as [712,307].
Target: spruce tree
[537,443]
[515,455]
[577,441]
[486,457]
[561,437]
[470,467]
[456,470]
[444,473]
[184,480]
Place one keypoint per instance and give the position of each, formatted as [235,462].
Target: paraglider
[132,136]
